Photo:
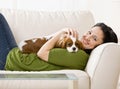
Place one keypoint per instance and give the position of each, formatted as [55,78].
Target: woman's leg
[7,41]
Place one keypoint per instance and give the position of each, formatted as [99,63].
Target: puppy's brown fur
[33,45]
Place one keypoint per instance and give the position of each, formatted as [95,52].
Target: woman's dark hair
[109,35]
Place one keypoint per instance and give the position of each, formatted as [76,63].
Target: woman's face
[92,38]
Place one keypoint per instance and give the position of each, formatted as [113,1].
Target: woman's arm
[43,53]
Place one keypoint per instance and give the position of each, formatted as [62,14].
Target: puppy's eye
[69,44]
[77,44]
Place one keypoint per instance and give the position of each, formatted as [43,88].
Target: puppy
[33,45]
[70,43]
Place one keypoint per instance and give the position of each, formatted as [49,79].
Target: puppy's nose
[74,48]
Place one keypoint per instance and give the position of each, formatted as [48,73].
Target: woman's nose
[88,38]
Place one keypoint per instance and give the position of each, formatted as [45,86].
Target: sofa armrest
[118,85]
[104,66]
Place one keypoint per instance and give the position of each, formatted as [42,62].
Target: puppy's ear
[79,44]
[60,44]
[65,42]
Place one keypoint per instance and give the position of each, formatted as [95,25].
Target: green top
[58,59]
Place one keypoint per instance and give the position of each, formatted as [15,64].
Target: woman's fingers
[76,34]
[71,31]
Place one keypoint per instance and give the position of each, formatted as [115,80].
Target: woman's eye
[89,32]
[95,39]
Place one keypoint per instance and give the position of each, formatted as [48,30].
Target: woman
[48,58]
[100,33]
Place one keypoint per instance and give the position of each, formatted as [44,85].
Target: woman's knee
[1,17]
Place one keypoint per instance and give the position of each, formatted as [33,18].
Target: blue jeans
[7,41]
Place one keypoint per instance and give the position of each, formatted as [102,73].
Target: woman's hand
[43,53]
[70,31]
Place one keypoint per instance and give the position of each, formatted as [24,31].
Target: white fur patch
[73,48]
[34,40]
[21,44]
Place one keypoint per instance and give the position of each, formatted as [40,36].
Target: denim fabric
[7,41]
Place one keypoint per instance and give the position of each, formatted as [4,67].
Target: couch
[103,68]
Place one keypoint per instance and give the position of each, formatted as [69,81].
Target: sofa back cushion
[30,24]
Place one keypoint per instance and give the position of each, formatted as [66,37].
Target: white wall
[107,11]
[8,4]
[48,5]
